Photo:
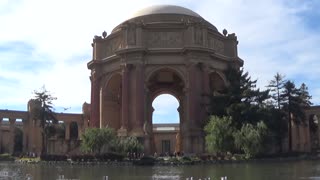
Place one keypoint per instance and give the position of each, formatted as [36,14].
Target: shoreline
[168,162]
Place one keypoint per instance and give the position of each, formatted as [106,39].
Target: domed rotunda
[162,49]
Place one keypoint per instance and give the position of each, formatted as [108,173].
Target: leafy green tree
[219,137]
[94,139]
[250,138]
[44,113]
[131,144]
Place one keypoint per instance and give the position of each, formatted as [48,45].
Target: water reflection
[249,171]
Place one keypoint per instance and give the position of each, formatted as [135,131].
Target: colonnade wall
[31,132]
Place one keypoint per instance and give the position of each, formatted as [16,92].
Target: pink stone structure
[161,49]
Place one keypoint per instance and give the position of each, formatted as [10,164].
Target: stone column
[67,126]
[190,92]
[185,122]
[25,135]
[95,101]
[12,122]
[139,101]
[205,91]
[124,101]
[149,144]
[80,129]
[193,133]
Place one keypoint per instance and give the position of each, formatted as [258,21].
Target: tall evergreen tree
[292,105]
[241,99]
[45,113]
[277,115]
[276,86]
[304,96]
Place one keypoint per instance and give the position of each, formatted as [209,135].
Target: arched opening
[165,123]
[165,110]
[74,130]
[166,101]
[111,103]
[216,83]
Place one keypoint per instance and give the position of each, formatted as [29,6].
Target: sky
[48,43]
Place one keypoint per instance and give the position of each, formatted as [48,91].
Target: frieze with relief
[216,44]
[164,39]
[114,45]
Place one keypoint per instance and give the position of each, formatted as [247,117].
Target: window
[165,146]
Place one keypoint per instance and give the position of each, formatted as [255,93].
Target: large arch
[165,81]
[111,102]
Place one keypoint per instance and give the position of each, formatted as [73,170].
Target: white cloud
[273,37]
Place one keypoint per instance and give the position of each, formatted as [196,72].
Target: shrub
[249,139]
[94,139]
[219,137]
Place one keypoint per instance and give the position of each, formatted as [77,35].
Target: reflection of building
[161,49]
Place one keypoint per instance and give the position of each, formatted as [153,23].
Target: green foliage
[241,99]
[45,113]
[275,86]
[250,138]
[94,139]
[130,144]
[219,134]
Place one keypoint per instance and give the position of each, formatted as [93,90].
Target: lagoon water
[288,170]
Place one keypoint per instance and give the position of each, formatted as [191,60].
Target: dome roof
[154,13]
[165,9]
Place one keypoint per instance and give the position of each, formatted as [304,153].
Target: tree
[276,86]
[304,96]
[293,107]
[44,113]
[95,139]
[276,122]
[250,138]
[219,137]
[130,144]
[241,99]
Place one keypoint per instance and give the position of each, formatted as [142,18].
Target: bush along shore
[119,159]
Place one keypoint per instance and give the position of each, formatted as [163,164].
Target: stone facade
[159,51]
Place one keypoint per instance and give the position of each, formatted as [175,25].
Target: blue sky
[48,43]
